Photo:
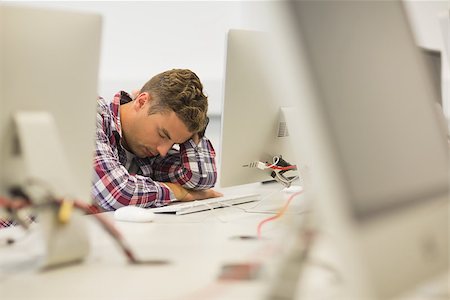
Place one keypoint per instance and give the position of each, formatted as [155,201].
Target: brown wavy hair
[181,91]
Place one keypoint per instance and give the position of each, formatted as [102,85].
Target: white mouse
[133,214]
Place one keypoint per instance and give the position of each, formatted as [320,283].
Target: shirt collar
[120,98]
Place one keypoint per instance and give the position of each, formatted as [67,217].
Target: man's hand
[183,194]
[201,194]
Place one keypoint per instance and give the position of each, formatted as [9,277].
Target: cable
[278,167]
[293,167]
[278,215]
[64,208]
[278,164]
[275,160]
[212,212]
[109,227]
[217,289]
[258,203]
[283,179]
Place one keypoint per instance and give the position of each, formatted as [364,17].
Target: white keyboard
[181,208]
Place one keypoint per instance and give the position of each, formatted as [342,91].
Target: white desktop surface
[195,245]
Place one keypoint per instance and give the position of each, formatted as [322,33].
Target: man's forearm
[193,166]
[179,191]
[114,188]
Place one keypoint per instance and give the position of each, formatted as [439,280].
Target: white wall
[141,39]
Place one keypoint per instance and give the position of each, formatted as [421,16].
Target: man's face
[150,135]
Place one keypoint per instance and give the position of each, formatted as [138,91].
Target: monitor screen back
[377,94]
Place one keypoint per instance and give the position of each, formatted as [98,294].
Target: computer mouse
[133,214]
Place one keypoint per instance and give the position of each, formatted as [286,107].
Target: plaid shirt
[192,166]
[6,223]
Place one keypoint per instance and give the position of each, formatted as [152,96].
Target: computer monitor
[254,127]
[368,128]
[444,22]
[48,90]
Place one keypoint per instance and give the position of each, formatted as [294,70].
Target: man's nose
[163,149]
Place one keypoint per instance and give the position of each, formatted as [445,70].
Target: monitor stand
[39,166]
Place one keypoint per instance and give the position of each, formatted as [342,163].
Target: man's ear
[141,100]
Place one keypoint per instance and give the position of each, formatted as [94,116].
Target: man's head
[181,91]
[169,109]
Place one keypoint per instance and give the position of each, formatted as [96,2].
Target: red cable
[86,208]
[284,168]
[279,214]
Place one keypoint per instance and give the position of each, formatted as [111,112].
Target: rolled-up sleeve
[192,166]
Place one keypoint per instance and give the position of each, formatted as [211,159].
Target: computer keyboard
[181,208]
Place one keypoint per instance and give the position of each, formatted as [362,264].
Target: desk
[196,246]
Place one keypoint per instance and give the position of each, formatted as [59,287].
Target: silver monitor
[368,129]
[254,124]
[49,68]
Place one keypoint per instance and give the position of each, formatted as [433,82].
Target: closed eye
[164,134]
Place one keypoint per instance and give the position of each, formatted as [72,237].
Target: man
[151,150]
